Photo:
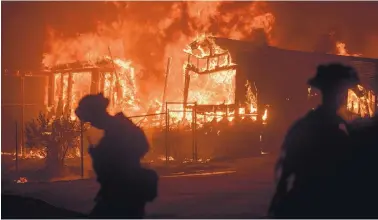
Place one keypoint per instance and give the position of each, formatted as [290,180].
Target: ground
[237,189]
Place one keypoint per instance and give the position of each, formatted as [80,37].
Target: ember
[22,180]
[163,158]
[40,154]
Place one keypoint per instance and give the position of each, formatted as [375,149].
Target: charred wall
[281,76]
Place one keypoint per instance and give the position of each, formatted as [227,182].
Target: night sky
[24,25]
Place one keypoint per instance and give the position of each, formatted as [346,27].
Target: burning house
[281,76]
[208,92]
[206,60]
[209,82]
[227,89]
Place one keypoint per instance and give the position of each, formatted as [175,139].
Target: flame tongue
[341,50]
[143,43]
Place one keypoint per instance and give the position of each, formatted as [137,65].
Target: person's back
[316,152]
[117,164]
[363,175]
[125,186]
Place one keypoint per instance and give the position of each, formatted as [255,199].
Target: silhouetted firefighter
[363,176]
[315,153]
[125,185]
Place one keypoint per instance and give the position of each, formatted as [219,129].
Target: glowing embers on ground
[40,153]
[28,154]
[21,180]
[202,173]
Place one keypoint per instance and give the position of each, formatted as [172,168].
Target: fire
[22,180]
[37,154]
[122,87]
[129,84]
[28,154]
[40,153]
[364,105]
[265,116]
[341,50]
[163,158]
[216,87]
[251,98]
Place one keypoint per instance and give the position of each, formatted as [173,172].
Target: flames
[22,180]
[133,87]
[28,154]
[139,47]
[361,105]
[40,153]
[341,50]
[364,105]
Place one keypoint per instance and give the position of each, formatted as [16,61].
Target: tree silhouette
[57,135]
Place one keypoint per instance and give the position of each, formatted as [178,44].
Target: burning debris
[41,153]
[21,180]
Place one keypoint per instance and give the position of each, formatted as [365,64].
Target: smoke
[149,33]
[301,25]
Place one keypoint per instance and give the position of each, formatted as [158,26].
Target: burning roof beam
[195,69]
[204,48]
[104,63]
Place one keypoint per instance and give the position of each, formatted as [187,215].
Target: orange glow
[265,116]
[141,93]
[363,106]
[22,180]
[341,50]
[41,153]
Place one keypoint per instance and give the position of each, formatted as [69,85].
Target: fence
[23,97]
[172,139]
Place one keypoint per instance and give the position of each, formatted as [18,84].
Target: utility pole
[22,114]
[166,82]
[82,148]
[16,146]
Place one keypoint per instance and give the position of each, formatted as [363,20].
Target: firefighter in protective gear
[315,153]
[125,186]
